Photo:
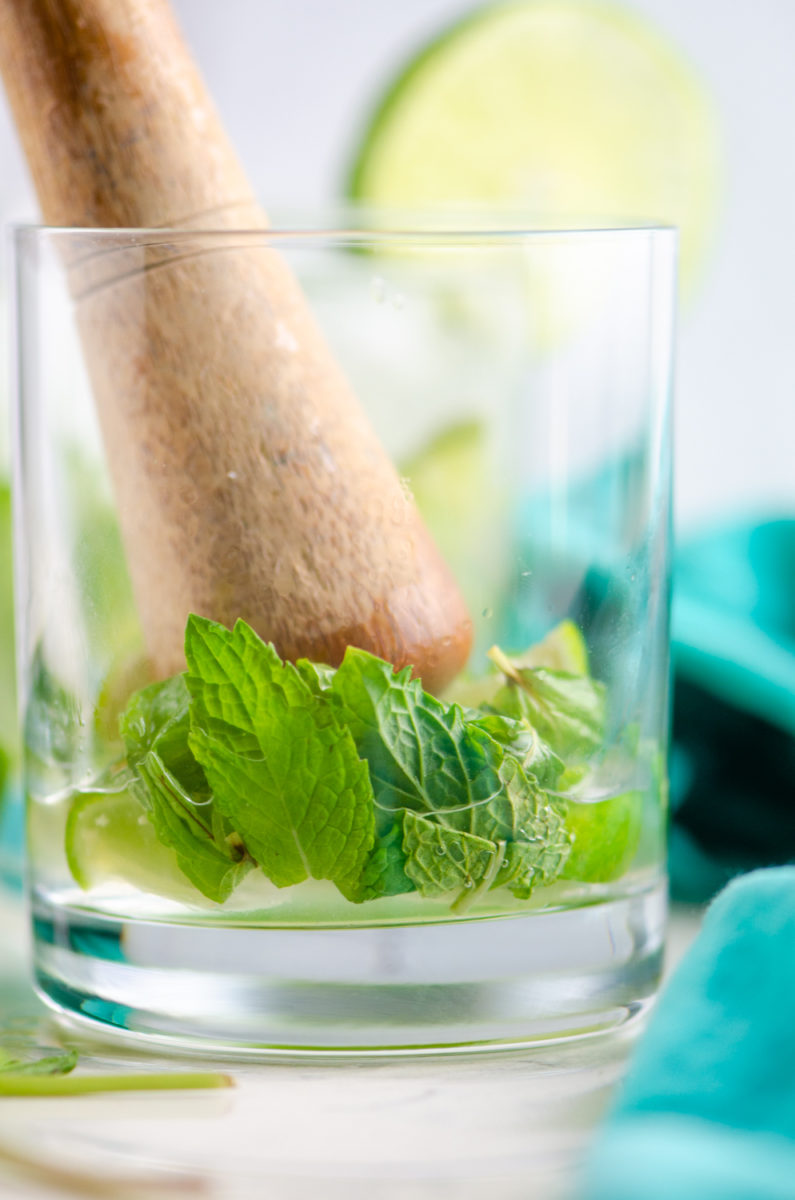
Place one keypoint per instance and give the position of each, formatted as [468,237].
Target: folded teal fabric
[734,616]
[733,762]
[707,1111]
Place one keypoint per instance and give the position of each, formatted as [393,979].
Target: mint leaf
[542,844]
[384,872]
[567,711]
[20,1055]
[282,766]
[422,756]
[173,790]
[524,743]
[318,676]
[444,765]
[441,860]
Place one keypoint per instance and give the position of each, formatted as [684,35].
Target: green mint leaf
[422,755]
[56,1063]
[384,872]
[52,717]
[524,743]
[149,713]
[542,844]
[173,790]
[568,711]
[283,768]
[441,860]
[318,676]
[20,1054]
[462,773]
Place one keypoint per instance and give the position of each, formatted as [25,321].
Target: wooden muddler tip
[249,482]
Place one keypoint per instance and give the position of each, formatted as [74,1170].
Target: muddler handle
[248,481]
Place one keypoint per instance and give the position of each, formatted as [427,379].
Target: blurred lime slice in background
[563,109]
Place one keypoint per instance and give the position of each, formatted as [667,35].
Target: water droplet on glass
[468,883]
[231,474]
[142,820]
[440,850]
[488,613]
[526,574]
[398,301]
[102,820]
[378,289]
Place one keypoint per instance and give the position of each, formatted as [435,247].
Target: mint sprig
[357,775]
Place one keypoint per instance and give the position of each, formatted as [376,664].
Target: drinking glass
[519,378]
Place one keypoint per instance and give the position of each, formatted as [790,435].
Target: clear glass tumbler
[258,856]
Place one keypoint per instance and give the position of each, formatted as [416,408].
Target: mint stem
[467,898]
[80,1085]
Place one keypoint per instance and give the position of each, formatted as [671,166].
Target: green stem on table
[80,1085]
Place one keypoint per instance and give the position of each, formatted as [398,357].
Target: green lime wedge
[606,837]
[563,649]
[561,108]
[448,480]
[110,838]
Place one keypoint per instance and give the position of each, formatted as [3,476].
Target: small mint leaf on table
[20,1055]
[174,793]
[282,766]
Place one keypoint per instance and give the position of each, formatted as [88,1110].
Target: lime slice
[561,108]
[448,480]
[563,649]
[606,837]
[110,838]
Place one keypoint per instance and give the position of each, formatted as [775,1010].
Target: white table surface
[499,1126]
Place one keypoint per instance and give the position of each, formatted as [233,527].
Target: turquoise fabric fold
[733,762]
[707,1111]
[734,616]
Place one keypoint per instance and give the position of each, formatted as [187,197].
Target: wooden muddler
[249,483]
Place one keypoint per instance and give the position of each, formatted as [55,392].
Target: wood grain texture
[249,482]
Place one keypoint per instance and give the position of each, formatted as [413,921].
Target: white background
[294,79]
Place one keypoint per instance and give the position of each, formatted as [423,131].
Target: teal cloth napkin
[707,1111]
[733,761]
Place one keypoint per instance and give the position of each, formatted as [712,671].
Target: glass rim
[362,226]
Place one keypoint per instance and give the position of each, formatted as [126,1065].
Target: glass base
[500,982]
